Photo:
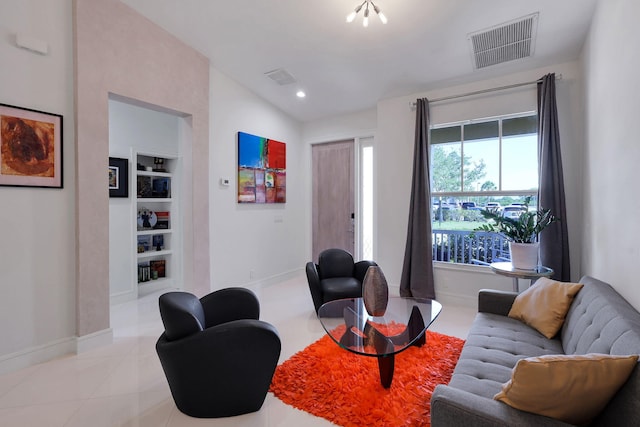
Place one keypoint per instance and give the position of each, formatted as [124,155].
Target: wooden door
[333,197]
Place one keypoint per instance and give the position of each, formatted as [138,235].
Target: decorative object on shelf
[261,170]
[158,164]
[158,242]
[147,219]
[375,291]
[163,220]
[158,268]
[523,231]
[144,244]
[365,21]
[161,188]
[144,187]
[31,148]
[118,177]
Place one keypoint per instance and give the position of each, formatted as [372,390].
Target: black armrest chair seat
[340,287]
[336,276]
[224,369]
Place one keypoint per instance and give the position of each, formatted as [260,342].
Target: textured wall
[120,52]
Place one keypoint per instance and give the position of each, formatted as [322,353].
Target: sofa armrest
[495,302]
[452,407]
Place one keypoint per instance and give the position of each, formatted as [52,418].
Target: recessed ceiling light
[301,94]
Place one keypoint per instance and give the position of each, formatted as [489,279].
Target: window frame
[492,193]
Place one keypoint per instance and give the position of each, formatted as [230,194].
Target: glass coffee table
[403,325]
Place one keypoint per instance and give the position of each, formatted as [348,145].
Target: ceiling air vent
[280,76]
[505,42]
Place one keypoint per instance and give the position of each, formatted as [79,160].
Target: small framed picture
[30,148]
[118,177]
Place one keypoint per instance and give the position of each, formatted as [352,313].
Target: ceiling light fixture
[301,94]
[365,21]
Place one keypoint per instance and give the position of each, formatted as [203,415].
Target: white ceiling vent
[505,42]
[280,76]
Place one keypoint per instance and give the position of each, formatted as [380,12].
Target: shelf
[151,173]
[154,199]
[154,231]
[151,254]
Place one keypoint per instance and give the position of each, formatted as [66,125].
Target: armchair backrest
[335,263]
[182,314]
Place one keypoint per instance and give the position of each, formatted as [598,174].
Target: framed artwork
[118,177]
[262,169]
[30,148]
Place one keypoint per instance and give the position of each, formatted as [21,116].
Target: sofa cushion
[544,305]
[494,345]
[571,388]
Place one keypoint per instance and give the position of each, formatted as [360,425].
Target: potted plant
[521,231]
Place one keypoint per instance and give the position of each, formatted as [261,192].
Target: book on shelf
[144,272]
[161,188]
[158,268]
[163,222]
[144,244]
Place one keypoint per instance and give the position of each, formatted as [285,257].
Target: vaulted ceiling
[345,67]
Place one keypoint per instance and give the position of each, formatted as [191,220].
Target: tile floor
[123,384]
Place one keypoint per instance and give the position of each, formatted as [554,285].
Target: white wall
[37,243]
[253,242]
[612,232]
[359,124]
[140,129]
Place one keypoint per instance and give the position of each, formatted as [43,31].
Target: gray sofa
[599,321]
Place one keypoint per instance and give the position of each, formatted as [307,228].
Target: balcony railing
[468,247]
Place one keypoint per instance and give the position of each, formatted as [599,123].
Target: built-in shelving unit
[157,222]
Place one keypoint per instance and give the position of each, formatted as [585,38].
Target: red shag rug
[344,388]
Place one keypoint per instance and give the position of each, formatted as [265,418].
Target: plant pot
[524,256]
[375,291]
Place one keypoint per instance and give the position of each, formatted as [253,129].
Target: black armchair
[217,356]
[335,276]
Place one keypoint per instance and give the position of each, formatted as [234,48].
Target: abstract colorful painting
[262,165]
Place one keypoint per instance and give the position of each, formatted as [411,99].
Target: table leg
[414,328]
[386,366]
[516,288]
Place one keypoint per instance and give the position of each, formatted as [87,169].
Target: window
[481,164]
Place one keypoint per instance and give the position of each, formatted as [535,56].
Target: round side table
[506,269]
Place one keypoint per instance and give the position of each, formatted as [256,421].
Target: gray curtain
[417,270]
[554,241]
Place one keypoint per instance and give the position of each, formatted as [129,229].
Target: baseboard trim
[35,355]
[272,280]
[94,340]
[456,299]
[43,353]
[122,297]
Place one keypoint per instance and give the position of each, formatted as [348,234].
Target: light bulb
[301,94]
[381,15]
[365,21]
[352,15]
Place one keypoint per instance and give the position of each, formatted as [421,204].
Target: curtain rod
[480,92]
